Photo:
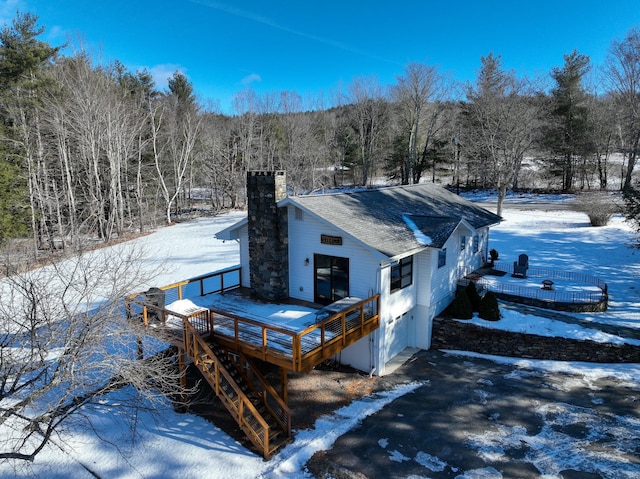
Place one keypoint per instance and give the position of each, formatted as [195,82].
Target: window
[442,257]
[463,242]
[476,243]
[402,274]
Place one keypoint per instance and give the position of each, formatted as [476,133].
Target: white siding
[466,258]
[364,276]
[304,242]
[422,323]
[423,313]
[483,234]
[405,315]
[395,330]
[360,355]
[244,256]
[459,263]
[424,266]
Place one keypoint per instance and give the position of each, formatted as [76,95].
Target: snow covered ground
[187,446]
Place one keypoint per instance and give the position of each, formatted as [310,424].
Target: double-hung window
[442,257]
[402,274]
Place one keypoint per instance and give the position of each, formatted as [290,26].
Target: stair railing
[269,397]
[226,388]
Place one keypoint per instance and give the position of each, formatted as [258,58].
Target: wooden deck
[292,350]
[220,343]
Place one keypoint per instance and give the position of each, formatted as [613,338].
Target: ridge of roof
[375,216]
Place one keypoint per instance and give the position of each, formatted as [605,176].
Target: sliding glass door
[332,278]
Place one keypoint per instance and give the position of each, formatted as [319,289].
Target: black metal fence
[550,295]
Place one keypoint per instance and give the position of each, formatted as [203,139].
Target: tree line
[94,151]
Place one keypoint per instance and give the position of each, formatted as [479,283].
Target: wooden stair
[221,344]
[253,403]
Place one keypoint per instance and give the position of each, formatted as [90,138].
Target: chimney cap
[266,173]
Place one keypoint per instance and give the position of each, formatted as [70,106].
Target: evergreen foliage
[632,206]
[489,309]
[472,294]
[568,134]
[13,203]
[22,55]
[460,307]
[22,59]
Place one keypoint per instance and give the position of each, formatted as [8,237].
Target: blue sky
[314,46]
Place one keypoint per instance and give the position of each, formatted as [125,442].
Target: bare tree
[419,86]
[602,131]
[501,123]
[64,344]
[369,114]
[622,69]
[175,130]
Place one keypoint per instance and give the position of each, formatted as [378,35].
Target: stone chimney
[268,235]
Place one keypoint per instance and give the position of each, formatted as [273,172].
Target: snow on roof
[421,237]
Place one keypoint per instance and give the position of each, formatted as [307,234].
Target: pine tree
[460,307]
[22,57]
[473,295]
[632,206]
[489,309]
[569,132]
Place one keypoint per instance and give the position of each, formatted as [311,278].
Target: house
[409,244]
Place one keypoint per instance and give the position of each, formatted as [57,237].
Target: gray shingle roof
[378,217]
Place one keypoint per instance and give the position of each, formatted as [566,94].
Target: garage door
[397,332]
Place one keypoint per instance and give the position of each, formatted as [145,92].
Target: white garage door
[397,332]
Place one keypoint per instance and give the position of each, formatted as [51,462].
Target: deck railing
[190,331]
[227,389]
[297,350]
[269,397]
[293,350]
[211,283]
[218,282]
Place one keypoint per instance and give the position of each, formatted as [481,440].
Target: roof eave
[232,232]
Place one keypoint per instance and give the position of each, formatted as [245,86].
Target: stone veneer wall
[268,235]
[598,307]
[458,335]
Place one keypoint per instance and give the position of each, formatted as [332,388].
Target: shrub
[489,309]
[460,307]
[599,207]
[494,254]
[473,295]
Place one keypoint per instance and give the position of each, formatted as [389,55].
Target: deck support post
[284,387]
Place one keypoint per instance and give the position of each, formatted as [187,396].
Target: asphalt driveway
[474,418]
